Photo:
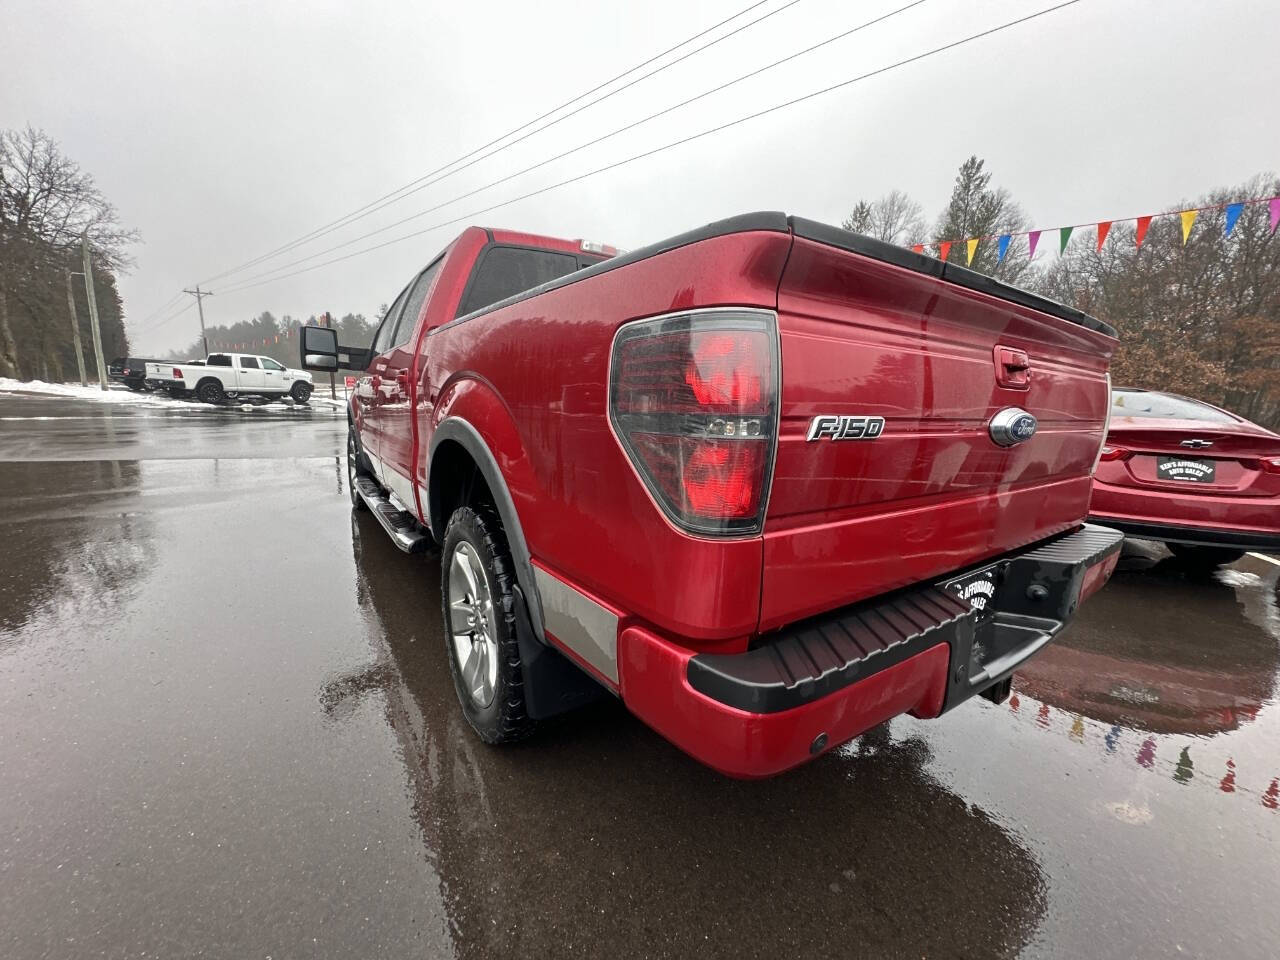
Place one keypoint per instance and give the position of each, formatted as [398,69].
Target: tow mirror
[319,348]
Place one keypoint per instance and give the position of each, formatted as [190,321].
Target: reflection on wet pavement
[598,837]
[227,728]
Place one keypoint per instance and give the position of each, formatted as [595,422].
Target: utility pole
[200,295]
[75,331]
[93,311]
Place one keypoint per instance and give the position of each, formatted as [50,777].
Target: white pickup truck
[225,376]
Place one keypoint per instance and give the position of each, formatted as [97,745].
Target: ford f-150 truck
[769,482]
[222,376]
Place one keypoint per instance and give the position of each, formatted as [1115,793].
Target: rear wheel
[1204,558]
[479,623]
[301,392]
[210,391]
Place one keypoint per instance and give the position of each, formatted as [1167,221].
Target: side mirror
[319,348]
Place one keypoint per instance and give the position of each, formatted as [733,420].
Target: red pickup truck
[769,482]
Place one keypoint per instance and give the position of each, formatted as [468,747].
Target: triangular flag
[1103,229]
[1188,218]
[1033,238]
[944,248]
[1003,248]
[1274,206]
[917,248]
[1064,234]
[1144,224]
[1233,214]
[973,248]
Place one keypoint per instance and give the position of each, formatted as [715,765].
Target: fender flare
[468,437]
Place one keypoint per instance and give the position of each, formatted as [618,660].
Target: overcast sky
[224,130]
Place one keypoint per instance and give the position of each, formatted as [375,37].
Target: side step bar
[401,526]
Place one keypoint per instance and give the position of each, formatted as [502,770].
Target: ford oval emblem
[1012,426]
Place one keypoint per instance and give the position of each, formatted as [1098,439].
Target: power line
[600,139]
[676,143]
[400,192]
[160,309]
[172,316]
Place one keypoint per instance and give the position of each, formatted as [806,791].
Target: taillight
[1113,453]
[1270,464]
[694,400]
[177,374]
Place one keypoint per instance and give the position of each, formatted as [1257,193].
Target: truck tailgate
[869,330]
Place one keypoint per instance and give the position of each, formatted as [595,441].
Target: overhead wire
[438,174]
[934,51]
[596,140]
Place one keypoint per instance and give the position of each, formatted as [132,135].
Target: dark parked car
[1204,481]
[131,371]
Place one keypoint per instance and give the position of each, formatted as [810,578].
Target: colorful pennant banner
[1142,225]
[264,342]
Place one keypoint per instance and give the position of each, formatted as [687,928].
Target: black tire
[503,719]
[1204,558]
[300,391]
[137,386]
[210,391]
[357,466]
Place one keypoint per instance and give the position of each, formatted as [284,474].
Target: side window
[413,305]
[218,360]
[269,364]
[382,341]
[506,271]
[248,363]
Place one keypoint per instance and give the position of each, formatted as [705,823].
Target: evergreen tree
[977,209]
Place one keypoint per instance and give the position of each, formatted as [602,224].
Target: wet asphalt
[227,729]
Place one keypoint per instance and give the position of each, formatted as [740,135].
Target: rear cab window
[218,360]
[1164,406]
[504,271]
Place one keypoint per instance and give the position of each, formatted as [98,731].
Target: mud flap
[552,684]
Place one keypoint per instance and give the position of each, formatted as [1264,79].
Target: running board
[401,526]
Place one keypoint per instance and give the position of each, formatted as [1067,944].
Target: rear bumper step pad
[1036,593]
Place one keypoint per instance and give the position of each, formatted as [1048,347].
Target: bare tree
[893,218]
[1201,317]
[47,203]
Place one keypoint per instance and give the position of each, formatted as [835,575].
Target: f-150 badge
[844,427]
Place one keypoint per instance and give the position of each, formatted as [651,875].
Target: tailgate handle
[1013,368]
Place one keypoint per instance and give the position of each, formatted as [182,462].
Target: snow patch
[77,392]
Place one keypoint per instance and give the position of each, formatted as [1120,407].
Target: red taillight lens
[1270,464]
[693,399]
[177,374]
[1113,453]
